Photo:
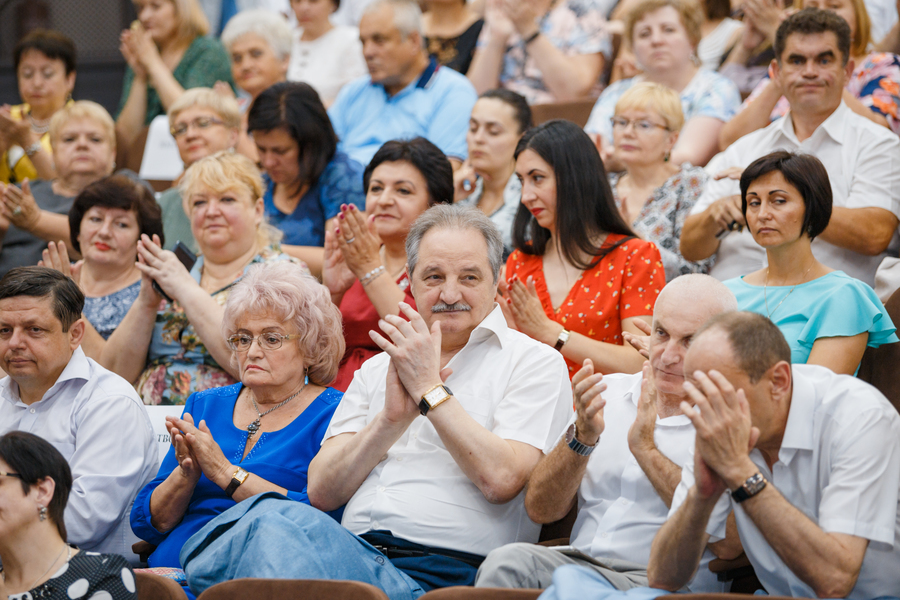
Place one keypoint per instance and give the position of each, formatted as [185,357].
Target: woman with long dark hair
[579,276]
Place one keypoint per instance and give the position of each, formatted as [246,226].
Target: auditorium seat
[470,593]
[879,365]
[154,587]
[291,589]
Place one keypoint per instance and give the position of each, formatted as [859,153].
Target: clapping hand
[357,240]
[56,256]
[587,390]
[528,312]
[203,451]
[190,469]
[163,267]
[640,435]
[725,434]
[497,20]
[12,131]
[19,207]
[336,275]
[641,343]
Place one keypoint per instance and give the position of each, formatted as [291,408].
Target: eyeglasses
[266,341]
[641,125]
[200,123]
[2,474]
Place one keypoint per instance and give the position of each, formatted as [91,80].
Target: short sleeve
[877,85]
[605,108]
[579,29]
[205,65]
[643,279]
[861,495]
[112,579]
[342,183]
[351,414]
[538,400]
[719,188]
[715,527]
[846,310]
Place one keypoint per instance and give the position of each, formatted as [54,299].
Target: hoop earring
[42,513]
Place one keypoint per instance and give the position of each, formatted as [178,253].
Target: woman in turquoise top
[827,317]
[167,52]
[286,342]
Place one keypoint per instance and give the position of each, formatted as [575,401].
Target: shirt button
[399,458]
[31,411]
[604,535]
[624,501]
[380,488]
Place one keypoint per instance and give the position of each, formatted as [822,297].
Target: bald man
[620,459]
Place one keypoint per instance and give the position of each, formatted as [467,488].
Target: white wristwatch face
[435,396]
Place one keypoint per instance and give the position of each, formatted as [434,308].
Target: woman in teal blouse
[167,52]
[827,317]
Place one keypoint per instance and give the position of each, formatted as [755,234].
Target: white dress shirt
[98,423]
[839,465]
[863,164]
[619,511]
[512,385]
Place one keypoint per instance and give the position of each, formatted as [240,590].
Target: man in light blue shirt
[406,94]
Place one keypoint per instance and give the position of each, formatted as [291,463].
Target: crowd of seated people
[422,312]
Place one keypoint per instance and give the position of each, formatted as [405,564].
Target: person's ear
[70,82]
[780,379]
[43,491]
[76,333]
[775,66]
[848,70]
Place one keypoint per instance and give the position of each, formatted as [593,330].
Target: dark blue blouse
[281,457]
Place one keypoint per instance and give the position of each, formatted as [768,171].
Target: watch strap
[561,340]
[751,487]
[576,446]
[239,477]
[424,406]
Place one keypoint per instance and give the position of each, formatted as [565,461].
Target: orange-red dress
[625,283]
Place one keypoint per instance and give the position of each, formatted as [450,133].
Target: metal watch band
[576,446]
[239,477]
[752,486]
[424,406]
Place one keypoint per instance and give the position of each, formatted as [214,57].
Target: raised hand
[205,453]
[56,256]
[163,267]
[19,206]
[497,21]
[336,275]
[641,343]
[640,435]
[463,181]
[528,312]
[587,390]
[357,240]
[726,211]
[415,350]
[190,469]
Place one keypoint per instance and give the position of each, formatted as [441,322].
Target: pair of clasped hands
[720,414]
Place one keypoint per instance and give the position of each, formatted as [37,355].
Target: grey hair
[267,24]
[407,15]
[702,288]
[455,216]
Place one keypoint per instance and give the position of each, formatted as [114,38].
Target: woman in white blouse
[324,56]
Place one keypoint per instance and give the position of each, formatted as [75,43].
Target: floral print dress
[178,364]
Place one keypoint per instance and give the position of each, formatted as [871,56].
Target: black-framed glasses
[200,123]
[241,342]
[641,125]
[2,474]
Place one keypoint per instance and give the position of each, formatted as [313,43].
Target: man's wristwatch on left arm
[576,446]
[751,487]
[433,397]
[239,477]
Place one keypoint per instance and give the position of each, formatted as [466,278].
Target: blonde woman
[172,349]
[654,194]
[167,52]
[84,149]
[872,90]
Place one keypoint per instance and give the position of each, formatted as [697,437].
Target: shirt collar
[424,81]
[492,325]
[798,433]
[78,367]
[833,125]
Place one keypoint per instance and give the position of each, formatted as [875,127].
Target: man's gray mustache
[444,307]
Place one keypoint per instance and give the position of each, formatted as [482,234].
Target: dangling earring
[667,156]
[42,513]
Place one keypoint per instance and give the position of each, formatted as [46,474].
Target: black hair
[717,9]
[517,102]
[584,201]
[41,282]
[296,108]
[117,191]
[806,173]
[426,158]
[811,21]
[51,44]
[34,459]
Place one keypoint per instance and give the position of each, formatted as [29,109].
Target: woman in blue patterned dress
[307,178]
[105,222]
[654,194]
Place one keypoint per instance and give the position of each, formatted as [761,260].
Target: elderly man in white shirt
[862,159]
[443,471]
[811,459]
[620,459]
[92,416]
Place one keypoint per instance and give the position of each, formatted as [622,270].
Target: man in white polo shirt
[620,459]
[811,459]
[434,478]
[863,161]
